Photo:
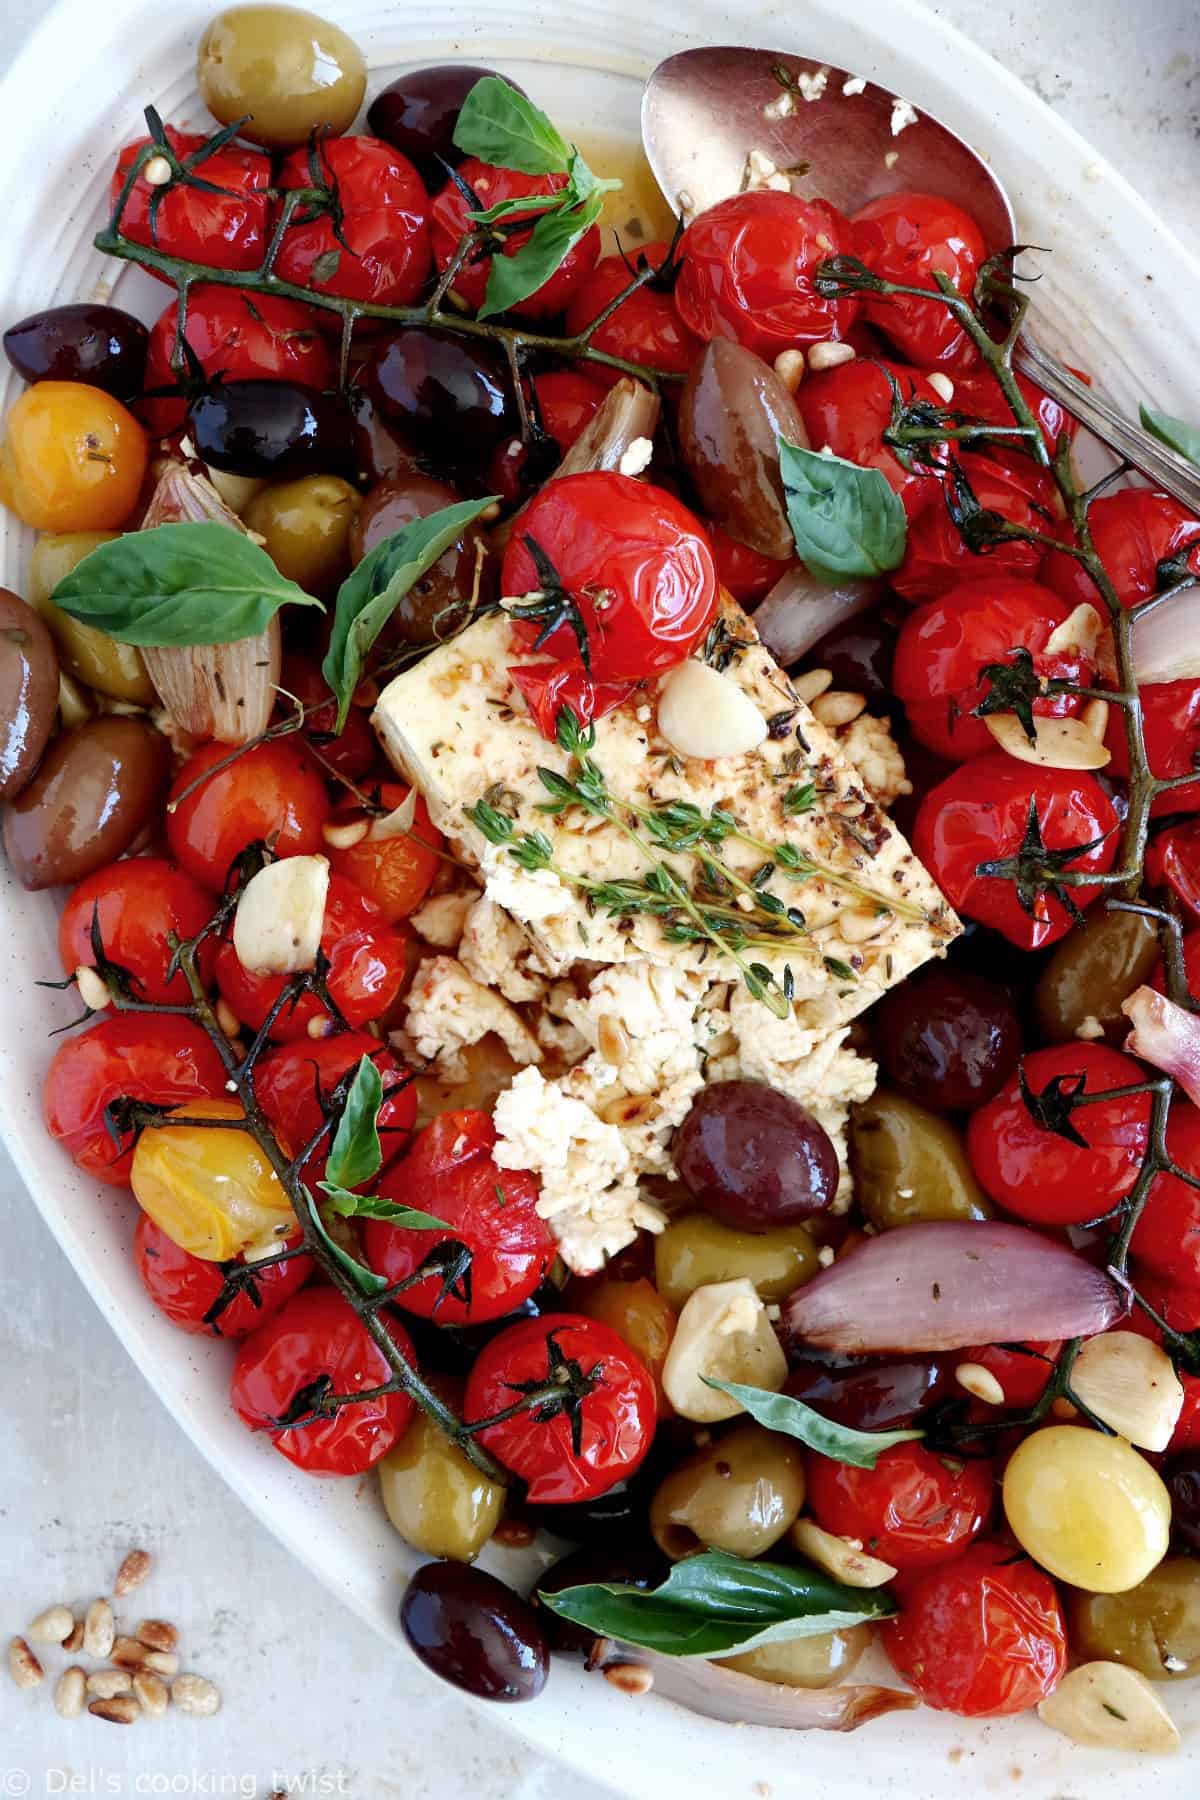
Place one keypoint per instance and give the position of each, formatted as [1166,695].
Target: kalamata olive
[1091,972]
[1182,1476]
[753,1157]
[910,1164]
[634,1562]
[83,342]
[733,412]
[97,788]
[948,1038]
[305,526]
[866,1392]
[292,71]
[273,428]
[430,607]
[439,387]
[417,113]
[859,655]
[28,692]
[381,453]
[473,1631]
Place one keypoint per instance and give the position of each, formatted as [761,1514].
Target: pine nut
[829,356]
[157,171]
[789,366]
[814,682]
[98,1629]
[834,709]
[69,1692]
[158,1634]
[942,386]
[52,1626]
[124,1710]
[151,1692]
[106,1684]
[231,1025]
[93,989]
[612,1040]
[128,1653]
[979,1381]
[514,1534]
[345,835]
[630,1109]
[73,1643]
[196,1696]
[23,1665]
[629,1678]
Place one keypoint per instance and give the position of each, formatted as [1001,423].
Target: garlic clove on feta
[723,1333]
[704,714]
[1111,1707]
[1130,1383]
[277,925]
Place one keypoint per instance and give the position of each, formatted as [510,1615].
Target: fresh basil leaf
[370,595]
[374,1206]
[200,583]
[500,126]
[714,1604]
[365,1280]
[846,521]
[1176,434]
[513,278]
[355,1155]
[780,1412]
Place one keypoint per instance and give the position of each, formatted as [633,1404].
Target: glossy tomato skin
[910,1509]
[1167,1236]
[287,1081]
[980,814]
[945,645]
[186,1288]
[910,238]
[848,409]
[746,573]
[394,873]
[273,791]
[937,558]
[1171,726]
[354,750]
[449,221]
[978,394]
[1133,531]
[492,1211]
[384,255]
[240,337]
[1035,1172]
[165,1061]
[224,231]
[638,547]
[645,329]
[747,272]
[548,687]
[1021,1369]
[137,903]
[317,1333]
[1173,862]
[617,1416]
[983,1636]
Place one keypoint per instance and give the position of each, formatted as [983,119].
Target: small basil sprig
[846,521]
[356,1156]
[714,1604]
[365,1280]
[780,1412]
[1176,434]
[174,585]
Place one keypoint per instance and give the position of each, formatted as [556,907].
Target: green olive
[1094,968]
[305,526]
[695,1250]
[435,1498]
[909,1164]
[86,653]
[292,71]
[740,1493]
[1154,1627]
[807,1662]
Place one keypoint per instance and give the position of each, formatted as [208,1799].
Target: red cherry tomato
[984,1636]
[374,244]
[1036,1172]
[548,687]
[567,403]
[366,970]
[982,814]
[136,904]
[747,269]
[162,1060]
[318,1334]
[354,750]
[937,558]
[394,873]
[273,791]
[290,1080]
[206,1298]
[449,222]
[492,1211]
[1171,727]
[1021,1369]
[1173,861]
[616,1417]
[912,1509]
[748,574]
[223,230]
[1180,1307]
[848,409]
[240,337]
[946,644]
[1167,1236]
[978,394]
[1133,531]
[645,329]
[634,560]
[910,239]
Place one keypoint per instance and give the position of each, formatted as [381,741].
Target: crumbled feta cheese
[441,918]
[814,85]
[891,159]
[637,457]
[496,952]
[531,895]
[854,84]
[782,108]
[904,114]
[447,1011]
[870,746]
[554,1030]
[761,174]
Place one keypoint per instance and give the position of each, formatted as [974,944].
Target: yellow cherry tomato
[72,458]
[213,1192]
[1087,1507]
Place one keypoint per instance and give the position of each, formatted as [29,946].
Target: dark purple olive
[441,387]
[1182,1476]
[28,692]
[733,413]
[635,1562]
[98,344]
[859,655]
[417,114]
[754,1158]
[96,790]
[948,1038]
[865,1392]
[620,1511]
[274,428]
[454,1349]
[473,1631]
[380,452]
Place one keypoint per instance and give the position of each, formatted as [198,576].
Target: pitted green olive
[695,1251]
[910,1164]
[807,1662]
[740,1493]
[1154,1627]
[1094,968]
[438,1501]
[293,73]
[305,528]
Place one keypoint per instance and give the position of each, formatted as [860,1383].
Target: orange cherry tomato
[394,872]
[641,1318]
[72,458]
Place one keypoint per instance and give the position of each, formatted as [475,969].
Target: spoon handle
[1163,466]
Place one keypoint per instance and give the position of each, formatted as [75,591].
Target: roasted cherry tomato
[371,241]
[946,644]
[354,750]
[747,267]
[938,557]
[162,1060]
[394,872]
[609,1391]
[136,903]
[1133,531]
[1021,1369]
[746,573]
[995,809]
[1173,861]
[223,229]
[912,1509]
[645,329]
[848,409]
[1171,727]
[1037,1171]
[449,224]
[71,458]
[490,1211]
[635,563]
[1179,1305]
[366,970]
[318,1335]
[911,239]
[983,1637]
[1167,1236]
[273,791]
[291,1081]
[979,395]
[218,1299]
[239,337]
[567,403]
[549,686]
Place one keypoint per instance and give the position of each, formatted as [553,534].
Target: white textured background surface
[90,1464]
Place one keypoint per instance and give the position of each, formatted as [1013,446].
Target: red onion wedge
[800,610]
[737,1699]
[947,1286]
[1165,1035]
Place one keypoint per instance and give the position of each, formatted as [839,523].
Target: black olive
[417,114]
[100,345]
[473,1631]
[274,428]
[443,388]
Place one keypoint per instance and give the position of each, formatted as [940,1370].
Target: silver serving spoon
[705,111]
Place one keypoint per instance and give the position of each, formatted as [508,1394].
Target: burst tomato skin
[746,573]
[617,1416]
[224,231]
[936,557]
[241,337]
[448,221]
[274,790]
[395,873]
[548,687]
[317,1333]
[384,223]
[136,904]
[1171,727]
[910,1509]
[645,329]
[978,394]
[1167,1236]
[185,1287]
[909,238]
[848,409]
[567,402]
[163,1060]
[286,1084]
[980,814]
[1133,531]
[1173,861]
[983,1636]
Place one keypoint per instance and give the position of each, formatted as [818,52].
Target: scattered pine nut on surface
[106,1684]
[196,1696]
[151,1692]
[73,1643]
[160,1634]
[132,1572]
[23,1665]
[124,1710]
[69,1692]
[53,1626]
[99,1629]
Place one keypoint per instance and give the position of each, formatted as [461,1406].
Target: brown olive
[429,608]
[84,651]
[695,1250]
[28,692]
[293,72]
[753,1157]
[305,526]
[732,415]
[473,1631]
[807,1662]
[948,1038]
[1154,1627]
[740,1493]
[97,788]
[1094,968]
[909,1164]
